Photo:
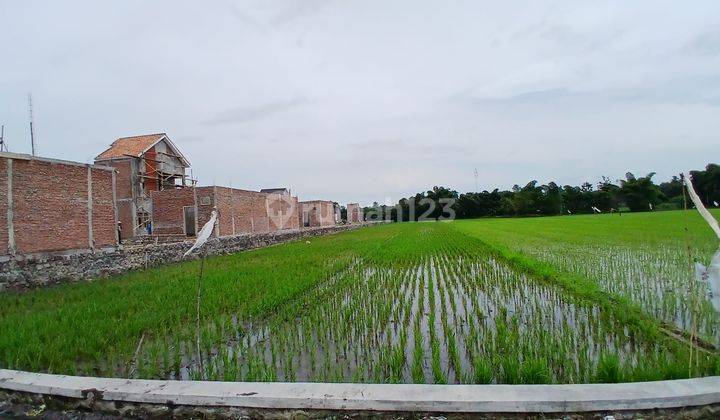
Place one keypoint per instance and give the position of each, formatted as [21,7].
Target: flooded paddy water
[442,319]
[659,279]
[402,303]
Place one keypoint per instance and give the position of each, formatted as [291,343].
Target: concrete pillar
[215,204]
[10,227]
[91,241]
[135,189]
[196,209]
[115,208]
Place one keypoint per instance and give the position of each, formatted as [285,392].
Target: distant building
[283,191]
[183,211]
[319,213]
[283,208]
[145,164]
[51,205]
[355,213]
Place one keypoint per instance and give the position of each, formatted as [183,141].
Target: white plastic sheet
[709,275]
[204,234]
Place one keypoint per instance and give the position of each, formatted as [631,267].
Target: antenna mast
[476,180]
[32,130]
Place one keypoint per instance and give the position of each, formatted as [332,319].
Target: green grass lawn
[555,299]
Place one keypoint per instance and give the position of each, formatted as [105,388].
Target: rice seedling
[646,259]
[422,303]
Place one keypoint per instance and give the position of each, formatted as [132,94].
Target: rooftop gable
[275,190]
[136,146]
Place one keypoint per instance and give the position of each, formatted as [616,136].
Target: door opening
[189,213]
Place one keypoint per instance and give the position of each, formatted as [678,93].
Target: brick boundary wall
[52,205]
[43,270]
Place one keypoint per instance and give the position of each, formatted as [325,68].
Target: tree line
[634,193]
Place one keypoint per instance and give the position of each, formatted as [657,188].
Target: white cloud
[359,101]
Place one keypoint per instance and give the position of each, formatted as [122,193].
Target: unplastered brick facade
[354,213]
[168,211]
[319,213]
[145,164]
[186,210]
[283,211]
[49,205]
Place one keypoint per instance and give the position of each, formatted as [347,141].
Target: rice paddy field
[573,299]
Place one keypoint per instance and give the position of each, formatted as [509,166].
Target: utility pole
[3,148]
[32,130]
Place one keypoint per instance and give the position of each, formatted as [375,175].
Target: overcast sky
[363,100]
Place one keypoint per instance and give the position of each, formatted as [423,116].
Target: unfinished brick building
[185,210]
[283,209]
[319,213]
[144,164]
[355,213]
[50,205]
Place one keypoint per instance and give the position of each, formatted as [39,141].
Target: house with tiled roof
[144,164]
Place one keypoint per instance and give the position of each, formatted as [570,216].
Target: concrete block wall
[50,205]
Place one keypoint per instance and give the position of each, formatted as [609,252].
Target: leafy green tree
[639,193]
[607,195]
[672,188]
[707,184]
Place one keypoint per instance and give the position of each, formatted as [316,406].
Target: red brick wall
[354,213]
[50,210]
[283,212]
[203,194]
[126,218]
[150,165]
[168,214]
[247,210]
[49,206]
[103,217]
[3,208]
[123,180]
[320,213]
[123,194]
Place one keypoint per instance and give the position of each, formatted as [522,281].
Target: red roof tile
[132,146]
